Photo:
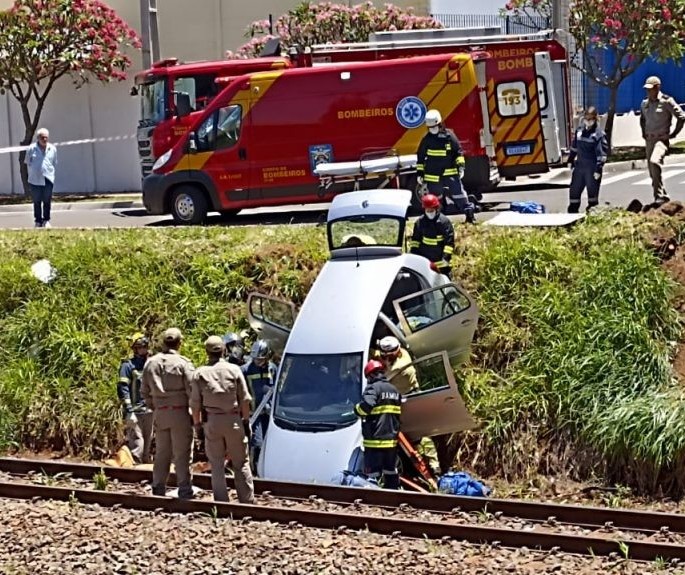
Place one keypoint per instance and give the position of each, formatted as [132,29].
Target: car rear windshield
[318,392]
[361,231]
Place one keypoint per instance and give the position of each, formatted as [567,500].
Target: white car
[368,289]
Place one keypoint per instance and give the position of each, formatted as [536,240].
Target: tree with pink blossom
[326,22]
[616,36]
[535,14]
[42,41]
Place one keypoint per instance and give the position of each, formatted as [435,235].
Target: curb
[67,206]
[624,166]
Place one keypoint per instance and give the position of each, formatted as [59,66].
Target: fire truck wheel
[188,205]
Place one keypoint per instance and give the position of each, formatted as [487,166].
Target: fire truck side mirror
[183,107]
[192,144]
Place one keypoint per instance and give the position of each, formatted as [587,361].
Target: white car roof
[342,307]
[390,202]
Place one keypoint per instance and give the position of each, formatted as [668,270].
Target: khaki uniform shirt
[401,376]
[167,380]
[219,388]
[656,116]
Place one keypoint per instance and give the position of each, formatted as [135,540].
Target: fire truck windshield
[152,102]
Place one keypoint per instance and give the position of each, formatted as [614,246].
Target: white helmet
[389,344]
[433,118]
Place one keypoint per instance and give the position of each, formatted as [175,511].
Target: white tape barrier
[71,143]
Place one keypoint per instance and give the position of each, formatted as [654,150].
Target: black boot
[470,215]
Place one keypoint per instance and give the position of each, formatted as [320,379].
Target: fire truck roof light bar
[427,42]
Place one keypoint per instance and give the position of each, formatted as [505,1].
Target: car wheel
[188,205]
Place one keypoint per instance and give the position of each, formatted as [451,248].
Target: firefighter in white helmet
[441,162]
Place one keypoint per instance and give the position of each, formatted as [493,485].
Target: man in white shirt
[41,159]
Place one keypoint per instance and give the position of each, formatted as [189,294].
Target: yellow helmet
[139,339]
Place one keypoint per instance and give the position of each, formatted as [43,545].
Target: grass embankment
[570,371]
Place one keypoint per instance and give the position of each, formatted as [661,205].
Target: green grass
[570,371]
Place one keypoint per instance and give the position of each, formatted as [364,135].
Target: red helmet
[430,202]
[373,366]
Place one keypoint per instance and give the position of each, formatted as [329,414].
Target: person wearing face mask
[440,163]
[589,152]
[656,116]
[433,235]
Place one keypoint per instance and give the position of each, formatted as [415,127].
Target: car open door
[436,319]
[437,407]
[271,318]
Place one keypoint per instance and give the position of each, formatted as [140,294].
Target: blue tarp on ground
[631,91]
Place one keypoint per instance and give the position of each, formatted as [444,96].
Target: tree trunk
[611,111]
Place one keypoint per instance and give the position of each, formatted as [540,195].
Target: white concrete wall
[197,30]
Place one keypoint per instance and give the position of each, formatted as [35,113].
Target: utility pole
[149,32]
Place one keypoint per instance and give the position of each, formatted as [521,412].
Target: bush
[62,342]
[571,366]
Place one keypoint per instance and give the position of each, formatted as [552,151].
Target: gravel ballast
[46,537]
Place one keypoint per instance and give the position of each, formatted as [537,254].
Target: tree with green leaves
[42,41]
[614,37]
[324,22]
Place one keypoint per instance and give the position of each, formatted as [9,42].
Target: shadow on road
[317,217]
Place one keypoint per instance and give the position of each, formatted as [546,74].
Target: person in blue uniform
[589,152]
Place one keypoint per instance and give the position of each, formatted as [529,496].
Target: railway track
[626,533]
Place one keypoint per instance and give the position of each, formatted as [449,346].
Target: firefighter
[260,374]
[167,380]
[380,408]
[402,375]
[137,415]
[589,152]
[220,391]
[397,365]
[234,348]
[440,164]
[433,236]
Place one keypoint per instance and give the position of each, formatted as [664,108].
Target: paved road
[617,189]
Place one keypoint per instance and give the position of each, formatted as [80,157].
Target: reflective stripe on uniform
[431,178]
[419,167]
[413,244]
[430,241]
[396,409]
[380,443]
[450,172]
[359,411]
[442,264]
[439,237]
[123,380]
[448,250]
[437,153]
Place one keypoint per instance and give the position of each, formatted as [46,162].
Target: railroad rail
[638,521]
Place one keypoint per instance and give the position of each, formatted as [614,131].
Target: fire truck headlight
[163,159]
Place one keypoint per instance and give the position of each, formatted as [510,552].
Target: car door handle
[242,153]
[465,322]
[450,399]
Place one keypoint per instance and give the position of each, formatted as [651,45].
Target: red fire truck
[172,96]
[258,143]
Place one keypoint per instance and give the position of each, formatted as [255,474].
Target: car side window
[428,308]
[430,373]
[206,134]
[228,126]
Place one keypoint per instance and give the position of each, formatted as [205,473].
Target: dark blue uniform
[128,387]
[381,407]
[259,381]
[589,152]
[439,160]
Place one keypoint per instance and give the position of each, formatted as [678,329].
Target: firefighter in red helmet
[433,236]
[380,408]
